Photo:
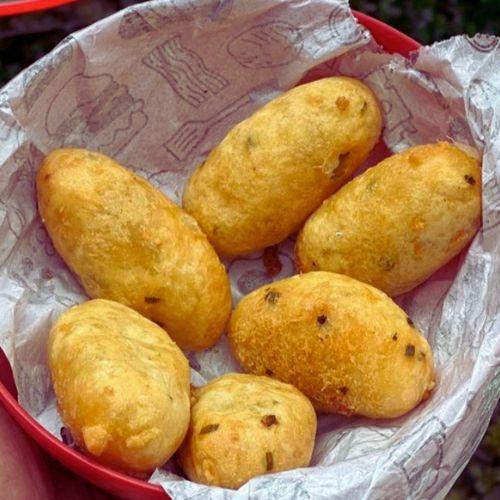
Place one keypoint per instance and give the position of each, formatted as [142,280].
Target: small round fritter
[243,426]
[398,222]
[346,345]
[121,383]
[275,168]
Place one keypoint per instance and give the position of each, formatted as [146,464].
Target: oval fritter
[121,383]
[346,345]
[243,426]
[126,241]
[274,169]
[398,222]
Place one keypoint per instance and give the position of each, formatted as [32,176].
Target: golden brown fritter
[398,222]
[275,168]
[122,385]
[126,241]
[243,426]
[346,345]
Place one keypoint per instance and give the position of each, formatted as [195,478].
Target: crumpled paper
[156,86]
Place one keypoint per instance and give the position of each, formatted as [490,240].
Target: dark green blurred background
[25,39]
[430,20]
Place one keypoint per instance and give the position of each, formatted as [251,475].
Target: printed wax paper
[156,86]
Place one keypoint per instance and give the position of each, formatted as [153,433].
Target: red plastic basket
[25,6]
[107,479]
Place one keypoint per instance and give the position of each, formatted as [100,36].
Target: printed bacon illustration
[185,72]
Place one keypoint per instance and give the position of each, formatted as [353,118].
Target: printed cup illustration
[105,116]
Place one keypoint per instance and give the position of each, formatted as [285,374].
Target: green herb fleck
[386,263]
[269,420]
[251,141]
[321,320]
[269,461]
[272,296]
[209,428]
[410,350]
[469,179]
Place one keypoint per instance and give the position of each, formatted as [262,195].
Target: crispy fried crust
[275,168]
[344,344]
[122,385]
[398,222]
[128,242]
[243,426]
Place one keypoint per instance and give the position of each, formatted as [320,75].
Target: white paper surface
[156,87]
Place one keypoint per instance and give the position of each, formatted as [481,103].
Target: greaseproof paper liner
[156,86]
